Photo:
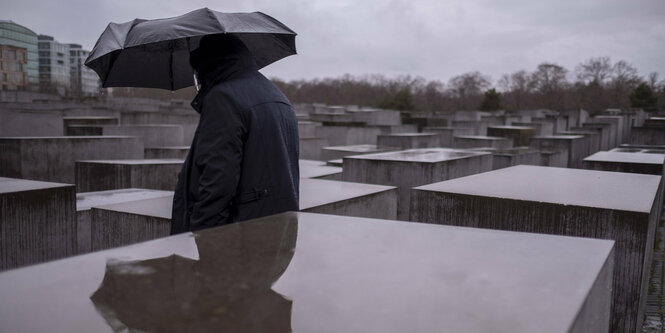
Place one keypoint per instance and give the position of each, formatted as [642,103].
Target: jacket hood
[218,58]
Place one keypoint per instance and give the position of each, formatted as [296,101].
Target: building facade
[84,81]
[12,62]
[54,65]
[19,41]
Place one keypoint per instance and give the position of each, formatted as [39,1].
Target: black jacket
[243,162]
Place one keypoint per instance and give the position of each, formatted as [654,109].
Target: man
[243,162]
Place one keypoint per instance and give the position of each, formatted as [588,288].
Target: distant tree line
[594,85]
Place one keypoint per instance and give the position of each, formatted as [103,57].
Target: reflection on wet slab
[317,273]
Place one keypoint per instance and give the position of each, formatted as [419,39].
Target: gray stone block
[446,134]
[647,136]
[554,158]
[53,158]
[542,128]
[414,167]
[376,117]
[349,135]
[307,129]
[338,152]
[318,169]
[30,123]
[631,162]
[608,205]
[178,152]
[310,148]
[479,127]
[479,141]
[618,125]
[99,175]
[348,199]
[85,201]
[520,135]
[160,135]
[37,222]
[292,267]
[607,138]
[130,222]
[409,140]
[86,121]
[513,156]
[575,145]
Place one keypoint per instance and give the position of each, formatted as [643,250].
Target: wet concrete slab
[520,135]
[575,145]
[647,163]
[409,140]
[85,201]
[573,202]
[348,199]
[480,141]
[52,158]
[301,272]
[447,134]
[176,152]
[318,169]
[413,167]
[338,152]
[37,222]
[99,175]
[130,222]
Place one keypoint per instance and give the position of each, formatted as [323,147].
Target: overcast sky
[436,39]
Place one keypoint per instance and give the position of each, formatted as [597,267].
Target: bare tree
[466,87]
[624,80]
[550,81]
[596,70]
[517,86]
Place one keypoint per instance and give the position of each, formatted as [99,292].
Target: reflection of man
[243,162]
[227,290]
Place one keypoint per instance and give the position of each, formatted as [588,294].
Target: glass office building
[18,36]
[54,66]
[84,81]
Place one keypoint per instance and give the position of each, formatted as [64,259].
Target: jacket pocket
[251,196]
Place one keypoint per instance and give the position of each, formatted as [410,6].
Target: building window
[60,62]
[4,77]
[7,54]
[21,56]
[17,67]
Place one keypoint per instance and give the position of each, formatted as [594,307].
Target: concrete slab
[177,152]
[575,145]
[409,140]
[318,169]
[348,199]
[446,134]
[85,201]
[607,138]
[130,222]
[480,141]
[37,222]
[542,128]
[647,136]
[310,148]
[584,203]
[414,167]
[338,152]
[520,135]
[76,122]
[647,163]
[514,156]
[554,158]
[30,123]
[53,158]
[153,135]
[318,263]
[618,124]
[99,175]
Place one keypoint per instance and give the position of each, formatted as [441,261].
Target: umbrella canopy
[155,53]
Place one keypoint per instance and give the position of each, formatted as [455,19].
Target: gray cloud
[433,39]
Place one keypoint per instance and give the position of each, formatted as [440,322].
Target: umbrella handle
[196,81]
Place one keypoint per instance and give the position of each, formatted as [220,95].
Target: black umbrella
[155,53]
